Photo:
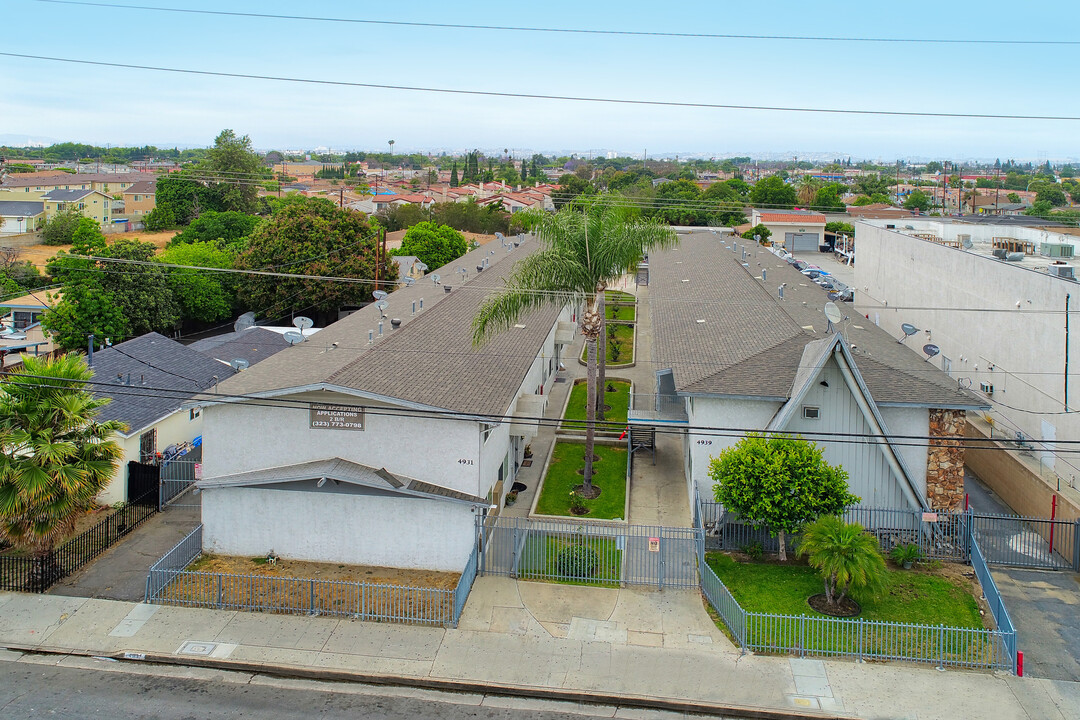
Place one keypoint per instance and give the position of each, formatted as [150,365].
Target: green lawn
[625,335]
[618,296]
[911,596]
[609,474]
[626,313]
[615,418]
[540,559]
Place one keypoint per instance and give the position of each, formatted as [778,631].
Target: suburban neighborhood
[540,399]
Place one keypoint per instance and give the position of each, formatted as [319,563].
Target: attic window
[194,413]
[810,412]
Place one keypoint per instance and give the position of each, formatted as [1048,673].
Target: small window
[810,412]
[148,446]
[194,413]
[485,431]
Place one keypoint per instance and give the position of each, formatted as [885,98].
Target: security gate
[590,553]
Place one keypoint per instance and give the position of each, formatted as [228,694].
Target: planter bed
[609,474]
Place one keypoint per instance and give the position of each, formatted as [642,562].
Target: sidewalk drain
[196,648]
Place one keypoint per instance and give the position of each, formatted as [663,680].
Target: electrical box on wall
[986,388]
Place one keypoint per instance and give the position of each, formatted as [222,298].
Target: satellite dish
[499,235]
[240,364]
[909,330]
[382,305]
[245,321]
[379,294]
[435,278]
[408,281]
[420,266]
[832,313]
[15,336]
[463,271]
[931,350]
[966,243]
[302,322]
[293,337]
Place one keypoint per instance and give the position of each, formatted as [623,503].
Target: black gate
[143,482]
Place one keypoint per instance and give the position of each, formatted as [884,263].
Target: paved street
[36,687]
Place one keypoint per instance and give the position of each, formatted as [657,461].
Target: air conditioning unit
[987,388]
[1061,270]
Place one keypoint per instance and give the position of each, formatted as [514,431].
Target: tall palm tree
[845,555]
[807,191]
[54,456]
[583,249]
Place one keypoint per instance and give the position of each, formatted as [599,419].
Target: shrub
[577,504]
[577,561]
[905,554]
[846,557]
[60,227]
[753,549]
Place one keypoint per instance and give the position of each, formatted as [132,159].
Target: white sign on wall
[336,417]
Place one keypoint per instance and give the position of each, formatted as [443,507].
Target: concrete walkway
[512,640]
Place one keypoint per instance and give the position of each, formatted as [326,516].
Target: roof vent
[446,289]
[395,323]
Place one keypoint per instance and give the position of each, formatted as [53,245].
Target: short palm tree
[55,456]
[583,249]
[847,556]
[807,191]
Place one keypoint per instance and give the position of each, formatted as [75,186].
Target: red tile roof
[792,218]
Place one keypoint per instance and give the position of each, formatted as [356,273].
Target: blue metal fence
[170,583]
[993,597]
[823,636]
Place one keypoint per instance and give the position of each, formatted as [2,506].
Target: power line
[466,416]
[538,96]
[575,31]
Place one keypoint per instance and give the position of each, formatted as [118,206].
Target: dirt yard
[40,254]
[393,239]
[232,565]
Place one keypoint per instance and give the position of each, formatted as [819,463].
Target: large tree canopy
[234,170]
[434,245]
[773,192]
[204,296]
[226,229]
[311,236]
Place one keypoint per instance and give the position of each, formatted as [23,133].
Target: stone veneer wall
[945,460]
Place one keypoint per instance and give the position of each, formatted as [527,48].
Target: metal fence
[177,476]
[863,639]
[170,583]
[590,553]
[1002,621]
[39,572]
[1028,542]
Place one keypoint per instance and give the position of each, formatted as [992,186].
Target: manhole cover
[196,648]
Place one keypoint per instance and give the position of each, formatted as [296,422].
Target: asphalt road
[39,688]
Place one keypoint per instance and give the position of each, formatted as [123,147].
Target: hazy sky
[49,100]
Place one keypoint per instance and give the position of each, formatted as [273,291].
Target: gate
[1028,542]
[590,553]
[143,481]
[179,474]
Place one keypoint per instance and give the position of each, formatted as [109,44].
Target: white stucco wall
[1020,351]
[333,527]
[718,413]
[176,428]
[914,422]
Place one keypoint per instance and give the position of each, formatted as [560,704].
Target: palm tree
[583,249]
[807,191]
[55,456]
[846,556]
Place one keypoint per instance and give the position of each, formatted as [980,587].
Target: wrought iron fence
[465,583]
[591,553]
[179,475]
[863,639]
[39,572]
[1002,621]
[170,583]
[1028,542]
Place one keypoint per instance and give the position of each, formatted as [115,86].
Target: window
[946,365]
[148,446]
[810,412]
[485,431]
[194,413]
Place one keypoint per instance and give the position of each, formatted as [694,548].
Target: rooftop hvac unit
[1061,270]
[1057,250]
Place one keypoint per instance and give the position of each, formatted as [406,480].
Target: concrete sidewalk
[610,644]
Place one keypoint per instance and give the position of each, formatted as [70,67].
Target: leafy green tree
[917,200]
[1013,198]
[312,236]
[84,309]
[779,482]
[840,228]
[233,160]
[582,251]
[1040,208]
[1051,193]
[226,229]
[862,200]
[60,227]
[846,556]
[140,291]
[434,245]
[182,199]
[56,455]
[204,296]
[454,181]
[933,167]
[830,198]
[571,187]
[160,218]
[761,231]
[773,192]
[87,238]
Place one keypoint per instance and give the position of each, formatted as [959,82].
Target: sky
[52,101]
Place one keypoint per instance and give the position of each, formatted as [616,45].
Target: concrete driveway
[120,573]
[1045,607]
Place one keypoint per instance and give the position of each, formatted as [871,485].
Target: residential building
[20,327]
[148,380]
[140,199]
[386,439]
[90,203]
[20,216]
[744,345]
[251,345]
[409,266]
[795,230]
[108,183]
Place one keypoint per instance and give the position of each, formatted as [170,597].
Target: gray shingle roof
[60,195]
[151,361]
[751,343]
[430,359]
[253,344]
[21,208]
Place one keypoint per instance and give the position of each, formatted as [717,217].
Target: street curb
[445,685]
